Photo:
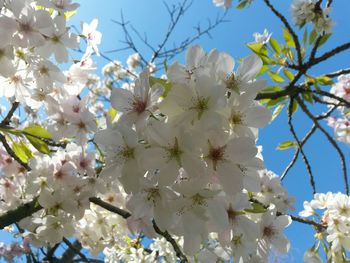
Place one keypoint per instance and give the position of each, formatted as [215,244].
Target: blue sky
[151,17]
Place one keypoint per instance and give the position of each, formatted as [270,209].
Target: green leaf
[38,144]
[288,38]
[69,14]
[256,208]
[288,74]
[312,36]
[263,69]
[286,145]
[242,4]
[324,39]
[271,89]
[21,151]
[112,113]
[305,37]
[273,103]
[275,45]
[277,111]
[37,131]
[166,85]
[294,106]
[275,77]
[324,80]
[258,48]
[308,97]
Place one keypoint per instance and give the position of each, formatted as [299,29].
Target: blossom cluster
[10,252]
[178,151]
[333,211]
[341,124]
[187,157]
[306,11]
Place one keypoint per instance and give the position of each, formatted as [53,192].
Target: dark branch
[6,121]
[21,212]
[12,153]
[300,146]
[330,139]
[289,28]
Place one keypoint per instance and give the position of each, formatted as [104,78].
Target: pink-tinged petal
[281,243]
[258,116]
[121,99]
[241,150]
[226,64]
[282,222]
[169,173]
[194,55]
[153,158]
[231,178]
[61,53]
[250,67]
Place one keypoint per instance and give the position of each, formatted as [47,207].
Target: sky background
[150,17]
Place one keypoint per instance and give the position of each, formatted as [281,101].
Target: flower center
[139,106]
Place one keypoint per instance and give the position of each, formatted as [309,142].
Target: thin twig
[289,28]
[126,214]
[296,154]
[331,95]
[172,241]
[7,119]
[330,139]
[300,146]
[338,73]
[329,54]
[72,251]
[12,153]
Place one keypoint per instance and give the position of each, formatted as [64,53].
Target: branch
[329,54]
[300,146]
[109,207]
[296,154]
[12,153]
[338,73]
[72,251]
[7,119]
[289,28]
[182,8]
[172,241]
[126,214]
[307,221]
[294,218]
[330,139]
[21,212]
[331,95]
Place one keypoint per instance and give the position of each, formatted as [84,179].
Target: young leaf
[324,80]
[256,208]
[275,45]
[288,38]
[277,111]
[275,77]
[242,4]
[38,144]
[21,151]
[112,113]
[286,145]
[324,39]
[288,74]
[37,131]
[305,37]
[273,103]
[166,85]
[312,36]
